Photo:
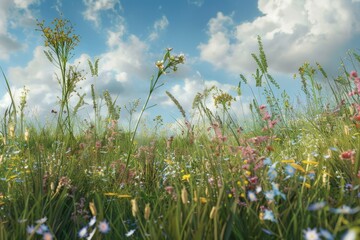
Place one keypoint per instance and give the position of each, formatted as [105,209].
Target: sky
[129,36]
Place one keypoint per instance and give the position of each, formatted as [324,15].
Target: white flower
[311,234]
[351,234]
[129,233]
[92,221]
[83,232]
[104,227]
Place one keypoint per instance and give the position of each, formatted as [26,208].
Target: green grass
[210,181]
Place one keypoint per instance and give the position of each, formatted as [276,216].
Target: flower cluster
[61,36]
[267,117]
[354,77]
[169,61]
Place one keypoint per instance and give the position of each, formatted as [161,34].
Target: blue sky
[217,38]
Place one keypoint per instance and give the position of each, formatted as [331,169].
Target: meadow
[286,172]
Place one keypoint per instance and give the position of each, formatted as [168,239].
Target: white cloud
[13,13]
[159,26]
[292,32]
[39,78]
[95,7]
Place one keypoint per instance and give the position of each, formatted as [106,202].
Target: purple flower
[30,229]
[42,229]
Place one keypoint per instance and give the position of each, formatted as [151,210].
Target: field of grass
[286,173]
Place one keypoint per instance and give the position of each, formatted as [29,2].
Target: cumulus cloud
[95,7]
[159,26]
[13,13]
[38,77]
[292,32]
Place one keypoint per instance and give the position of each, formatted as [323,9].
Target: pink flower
[347,154]
[261,107]
[353,74]
[104,227]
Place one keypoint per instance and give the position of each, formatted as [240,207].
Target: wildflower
[160,64]
[169,189]
[353,74]
[345,210]
[272,174]
[351,234]
[30,229]
[258,189]
[41,220]
[147,211]
[92,221]
[203,200]
[252,196]
[316,206]
[326,234]
[277,191]
[347,154]
[134,207]
[311,234]
[91,234]
[130,233]
[269,195]
[186,177]
[289,170]
[267,161]
[83,232]
[104,227]
[47,236]
[269,215]
[297,167]
[42,229]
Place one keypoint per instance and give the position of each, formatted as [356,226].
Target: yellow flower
[288,161]
[307,185]
[203,200]
[310,162]
[297,167]
[186,177]
[169,161]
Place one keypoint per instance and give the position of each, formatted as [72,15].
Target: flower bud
[147,211]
